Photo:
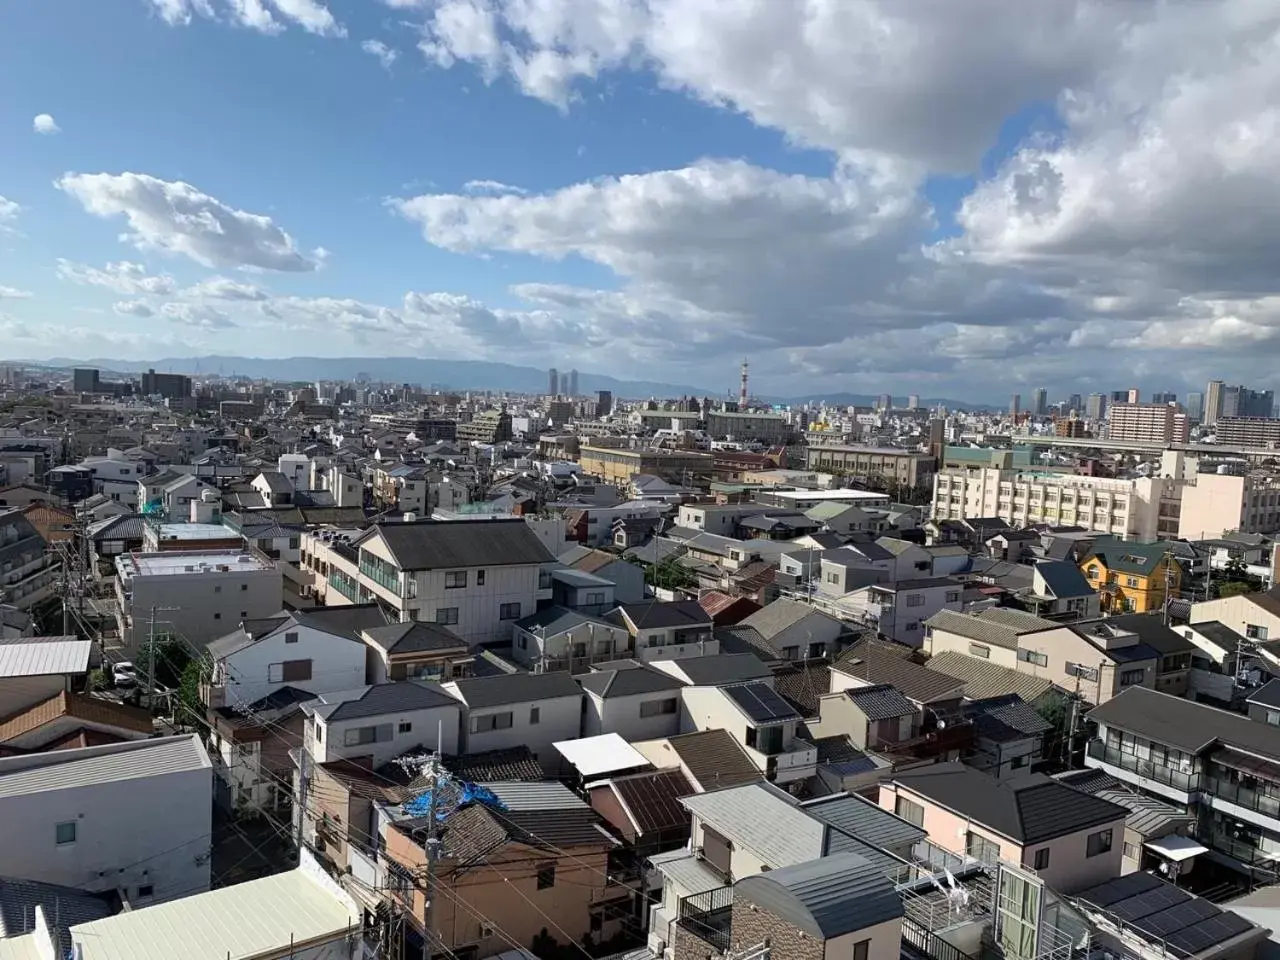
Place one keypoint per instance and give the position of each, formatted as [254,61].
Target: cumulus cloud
[259,15]
[196,315]
[222,288]
[492,186]
[175,217]
[9,210]
[132,308]
[45,124]
[121,276]
[376,48]
[13,293]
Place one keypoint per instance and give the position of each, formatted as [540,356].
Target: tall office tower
[1075,403]
[573,383]
[553,382]
[1195,406]
[1015,405]
[1212,402]
[1255,403]
[604,403]
[1040,401]
[1119,396]
[1133,395]
[1164,398]
[913,401]
[85,380]
[1230,401]
[1095,407]
[884,401]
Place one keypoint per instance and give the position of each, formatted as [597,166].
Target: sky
[953,199]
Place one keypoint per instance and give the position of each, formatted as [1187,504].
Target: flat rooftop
[177,562]
[195,531]
[817,496]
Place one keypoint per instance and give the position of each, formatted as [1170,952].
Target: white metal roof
[25,947]
[41,656]
[595,756]
[1176,848]
[135,760]
[255,919]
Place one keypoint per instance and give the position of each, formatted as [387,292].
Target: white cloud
[376,48]
[196,315]
[492,186]
[177,218]
[9,211]
[13,293]
[179,12]
[44,123]
[132,308]
[221,288]
[121,276]
[260,15]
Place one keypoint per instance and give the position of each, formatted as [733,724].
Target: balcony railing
[708,916]
[1243,851]
[1247,797]
[1187,782]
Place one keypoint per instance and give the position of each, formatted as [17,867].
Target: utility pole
[429,848]
[151,652]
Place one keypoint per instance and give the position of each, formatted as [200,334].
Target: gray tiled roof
[877,662]
[761,818]
[771,619]
[133,760]
[982,678]
[998,626]
[722,668]
[63,907]
[628,682]
[553,621]
[714,759]
[858,817]
[827,897]
[1013,712]
[447,544]
[381,698]
[1063,579]
[480,692]
[1268,695]
[880,702]
[415,636]
[1185,724]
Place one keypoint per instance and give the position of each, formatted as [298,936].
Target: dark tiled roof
[653,800]
[655,614]
[802,684]
[1185,724]
[628,682]
[1268,695]
[551,621]
[343,621]
[1028,810]
[857,817]
[723,668]
[1125,556]
[877,662]
[1006,718]
[517,688]
[445,544]
[982,678]
[382,698]
[1152,630]
[880,702]
[513,763]
[1090,781]
[1219,633]
[415,636]
[63,906]
[1063,579]
[714,759]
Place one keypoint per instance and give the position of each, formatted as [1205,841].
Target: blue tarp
[453,796]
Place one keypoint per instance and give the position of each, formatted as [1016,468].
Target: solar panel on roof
[761,703]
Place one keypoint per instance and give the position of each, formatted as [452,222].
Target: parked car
[124,674]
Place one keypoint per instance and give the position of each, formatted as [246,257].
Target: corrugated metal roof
[827,897]
[691,874]
[764,820]
[135,760]
[851,814]
[521,796]
[42,656]
[244,920]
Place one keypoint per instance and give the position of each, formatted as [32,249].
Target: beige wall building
[619,466]
[1216,504]
[901,466]
[1248,431]
[1147,422]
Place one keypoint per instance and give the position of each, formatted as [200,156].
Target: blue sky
[862,202]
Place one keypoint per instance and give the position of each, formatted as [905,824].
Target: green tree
[1235,588]
[669,574]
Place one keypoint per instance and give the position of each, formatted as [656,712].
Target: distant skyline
[858,197]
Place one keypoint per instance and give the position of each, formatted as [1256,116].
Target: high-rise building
[1075,403]
[1256,403]
[913,401]
[553,382]
[1119,396]
[1212,402]
[1040,401]
[1248,431]
[1069,427]
[884,401]
[1164,398]
[604,403]
[84,380]
[171,386]
[573,383]
[1096,406]
[1134,396]
[1015,405]
[1195,406]
[1147,423]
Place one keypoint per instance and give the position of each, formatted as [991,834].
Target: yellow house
[1131,577]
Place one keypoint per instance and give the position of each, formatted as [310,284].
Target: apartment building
[1248,431]
[1143,508]
[477,577]
[619,466]
[767,428]
[27,569]
[1147,423]
[1216,504]
[488,426]
[1222,767]
[904,467]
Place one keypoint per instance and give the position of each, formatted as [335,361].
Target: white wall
[558,719]
[425,727]
[621,715]
[336,664]
[195,599]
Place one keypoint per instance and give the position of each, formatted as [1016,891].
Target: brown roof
[714,759]
[724,609]
[52,522]
[877,662]
[593,561]
[84,737]
[78,706]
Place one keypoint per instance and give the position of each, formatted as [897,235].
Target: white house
[33,669]
[557,638]
[519,709]
[375,724]
[898,610]
[760,720]
[135,816]
[635,701]
[667,630]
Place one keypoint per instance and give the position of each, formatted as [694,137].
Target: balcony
[1183,782]
[1223,794]
[708,916]
[798,761]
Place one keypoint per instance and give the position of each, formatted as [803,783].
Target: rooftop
[714,759]
[43,656]
[1185,724]
[827,897]
[997,626]
[455,544]
[628,681]
[68,769]
[480,692]
[600,755]
[763,819]
[178,562]
[982,678]
[380,698]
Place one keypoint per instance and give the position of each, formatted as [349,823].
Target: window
[455,579]
[1042,859]
[1095,573]
[953,596]
[544,579]
[1081,671]
[1132,851]
[244,587]
[1098,843]
[405,727]
[522,641]
[1017,763]
[1255,632]
[862,950]
[244,615]
[65,833]
[293,543]
[1033,656]
[1273,718]
[359,736]
[535,716]
[976,845]
[217,616]
[319,732]
[909,811]
[509,611]
[915,600]
[291,636]
[1129,677]
[217,588]
[980,650]
[446,616]
[657,708]
[790,653]
[290,671]
[595,599]
[146,890]
[546,876]
[492,721]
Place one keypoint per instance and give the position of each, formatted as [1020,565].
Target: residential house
[626,577]
[35,918]
[794,630]
[475,576]
[843,518]
[1222,766]
[872,717]
[644,808]
[534,710]
[582,591]
[1264,704]
[538,841]
[1009,736]
[716,670]
[983,679]
[33,669]
[414,650]
[1059,591]
[724,609]
[558,638]
[371,725]
[1131,577]
[992,634]
[54,524]
[762,722]
[898,611]
[68,720]
[633,700]
[854,565]
[134,816]
[252,747]
[1070,838]
[709,759]
[114,535]
[1255,616]
[662,630]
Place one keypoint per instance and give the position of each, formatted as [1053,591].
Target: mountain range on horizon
[450,374]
